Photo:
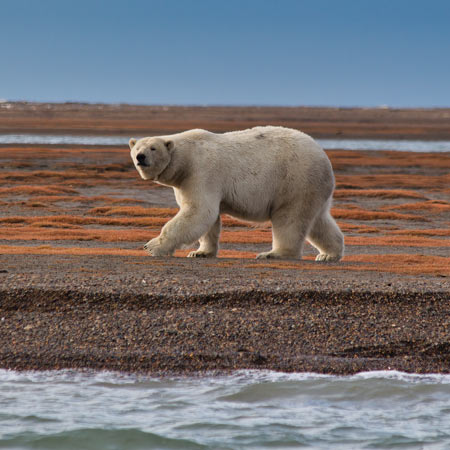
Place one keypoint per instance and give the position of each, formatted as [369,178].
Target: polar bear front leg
[186,227]
[209,243]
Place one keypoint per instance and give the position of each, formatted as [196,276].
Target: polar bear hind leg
[288,235]
[209,243]
[326,236]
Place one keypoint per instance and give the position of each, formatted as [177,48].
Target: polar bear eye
[152,149]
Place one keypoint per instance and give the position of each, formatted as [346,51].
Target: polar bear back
[254,171]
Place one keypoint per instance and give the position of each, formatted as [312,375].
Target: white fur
[259,174]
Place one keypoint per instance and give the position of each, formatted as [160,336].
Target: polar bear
[260,174]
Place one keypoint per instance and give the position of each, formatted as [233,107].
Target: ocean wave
[98,438]
[72,409]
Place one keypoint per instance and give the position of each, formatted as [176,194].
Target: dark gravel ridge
[338,331]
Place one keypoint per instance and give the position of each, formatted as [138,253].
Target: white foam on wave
[239,376]
[65,375]
[273,376]
[403,376]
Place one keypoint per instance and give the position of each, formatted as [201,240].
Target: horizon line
[219,105]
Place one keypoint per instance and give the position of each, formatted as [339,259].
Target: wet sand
[78,291]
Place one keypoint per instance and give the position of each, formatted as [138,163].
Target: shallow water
[346,144]
[249,409]
[393,144]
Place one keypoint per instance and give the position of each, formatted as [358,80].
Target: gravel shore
[182,316]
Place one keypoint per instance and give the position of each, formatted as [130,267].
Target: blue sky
[227,52]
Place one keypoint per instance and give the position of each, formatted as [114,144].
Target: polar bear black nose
[140,158]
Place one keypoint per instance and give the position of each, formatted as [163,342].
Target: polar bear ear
[131,142]
[169,145]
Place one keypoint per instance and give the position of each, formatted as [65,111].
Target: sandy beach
[78,291]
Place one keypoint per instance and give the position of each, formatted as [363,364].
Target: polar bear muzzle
[141,160]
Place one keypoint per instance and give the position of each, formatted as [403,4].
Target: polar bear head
[151,156]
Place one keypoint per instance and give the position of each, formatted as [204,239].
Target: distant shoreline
[320,122]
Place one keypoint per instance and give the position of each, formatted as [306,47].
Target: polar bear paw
[155,248]
[270,255]
[323,257]
[201,254]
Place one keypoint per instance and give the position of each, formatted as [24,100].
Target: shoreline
[166,357]
[195,321]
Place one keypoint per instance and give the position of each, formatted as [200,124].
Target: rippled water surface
[347,144]
[249,409]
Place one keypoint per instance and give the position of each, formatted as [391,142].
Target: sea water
[245,410]
[329,144]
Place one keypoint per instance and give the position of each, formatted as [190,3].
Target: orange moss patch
[59,198]
[64,220]
[49,224]
[265,236]
[228,221]
[236,254]
[350,227]
[63,175]
[406,264]
[431,232]
[45,232]
[392,180]
[400,263]
[394,241]
[49,250]
[37,190]
[356,213]
[135,211]
[85,199]
[246,236]
[377,193]
[36,204]
[430,205]
[63,152]
[344,158]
